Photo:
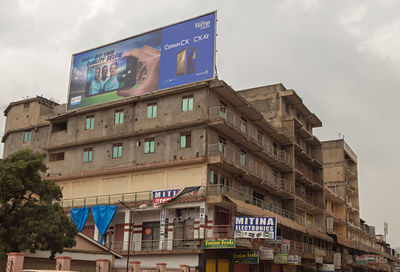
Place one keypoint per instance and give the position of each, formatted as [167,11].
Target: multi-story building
[250,153]
[204,135]
[354,236]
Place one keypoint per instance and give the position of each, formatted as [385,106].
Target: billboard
[255,227]
[171,56]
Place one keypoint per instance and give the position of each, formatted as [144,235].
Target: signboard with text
[175,55]
[246,257]
[222,243]
[255,227]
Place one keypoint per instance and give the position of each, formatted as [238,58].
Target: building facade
[248,153]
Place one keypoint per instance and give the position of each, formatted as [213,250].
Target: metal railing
[247,198]
[250,131]
[309,173]
[254,168]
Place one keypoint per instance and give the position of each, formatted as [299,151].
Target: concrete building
[353,235]
[250,153]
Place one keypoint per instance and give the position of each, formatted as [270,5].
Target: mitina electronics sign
[255,227]
[171,56]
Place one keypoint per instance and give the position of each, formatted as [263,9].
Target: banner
[337,260]
[162,196]
[294,259]
[329,224]
[266,254]
[79,216]
[222,243]
[171,56]
[255,227]
[103,215]
[327,268]
[246,257]
[280,258]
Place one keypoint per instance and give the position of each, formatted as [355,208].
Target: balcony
[242,132]
[308,175]
[131,198]
[253,171]
[309,203]
[249,199]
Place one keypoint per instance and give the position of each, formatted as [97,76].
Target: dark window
[59,126]
[56,157]
[26,105]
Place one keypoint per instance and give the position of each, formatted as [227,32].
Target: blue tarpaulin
[103,215]
[79,216]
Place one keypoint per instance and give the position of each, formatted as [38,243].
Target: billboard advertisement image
[171,56]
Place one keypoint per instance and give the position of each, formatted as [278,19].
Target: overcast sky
[342,57]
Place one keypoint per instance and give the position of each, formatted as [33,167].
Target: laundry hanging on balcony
[103,215]
[79,216]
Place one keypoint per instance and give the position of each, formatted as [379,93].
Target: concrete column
[126,230]
[185,268]
[134,266]
[161,267]
[63,263]
[103,265]
[96,233]
[15,262]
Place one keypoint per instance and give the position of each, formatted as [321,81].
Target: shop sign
[294,259]
[361,260]
[246,257]
[337,260]
[254,227]
[319,259]
[329,224]
[285,246]
[280,258]
[266,254]
[222,243]
[327,268]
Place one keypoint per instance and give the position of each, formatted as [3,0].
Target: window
[224,181]
[187,103]
[117,151]
[213,177]
[89,123]
[243,160]
[60,126]
[152,110]
[149,145]
[87,154]
[243,125]
[222,109]
[150,236]
[56,157]
[118,117]
[275,148]
[26,105]
[27,136]
[221,144]
[186,140]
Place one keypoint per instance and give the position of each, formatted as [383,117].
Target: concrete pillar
[126,230]
[161,267]
[63,263]
[103,265]
[134,266]
[15,262]
[185,268]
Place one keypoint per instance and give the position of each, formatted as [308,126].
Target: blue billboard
[171,56]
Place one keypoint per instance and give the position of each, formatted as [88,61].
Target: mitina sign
[255,227]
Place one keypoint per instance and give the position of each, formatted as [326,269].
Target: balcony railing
[250,131]
[254,168]
[309,173]
[247,198]
[310,199]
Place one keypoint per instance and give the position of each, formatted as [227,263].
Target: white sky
[342,57]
